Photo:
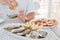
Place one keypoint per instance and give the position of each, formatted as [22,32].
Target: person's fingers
[21,11]
[21,16]
[12,4]
[9,3]
[22,19]
[16,4]
[4,2]
[30,16]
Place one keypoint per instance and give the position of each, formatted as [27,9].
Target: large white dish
[14,35]
[1,20]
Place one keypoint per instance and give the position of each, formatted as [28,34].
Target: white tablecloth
[6,36]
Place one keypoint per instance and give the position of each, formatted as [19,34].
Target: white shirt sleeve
[30,6]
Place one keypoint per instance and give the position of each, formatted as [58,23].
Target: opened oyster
[26,32]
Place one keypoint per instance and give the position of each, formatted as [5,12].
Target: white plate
[1,20]
[14,35]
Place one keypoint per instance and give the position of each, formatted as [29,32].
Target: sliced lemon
[34,27]
[27,25]
[14,8]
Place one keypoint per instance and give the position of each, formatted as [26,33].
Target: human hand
[9,3]
[24,18]
[21,16]
[30,16]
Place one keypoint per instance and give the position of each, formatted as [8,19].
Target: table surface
[53,33]
[6,36]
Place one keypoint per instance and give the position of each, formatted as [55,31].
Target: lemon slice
[14,8]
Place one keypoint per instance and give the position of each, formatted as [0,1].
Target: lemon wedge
[14,8]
